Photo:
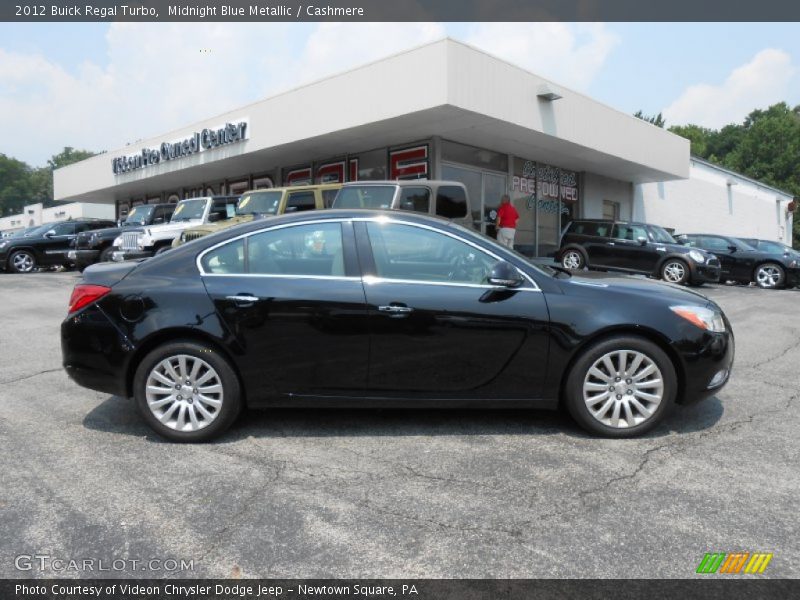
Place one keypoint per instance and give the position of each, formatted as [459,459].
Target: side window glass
[451,202]
[328,196]
[226,259]
[301,250]
[714,243]
[412,253]
[417,199]
[298,201]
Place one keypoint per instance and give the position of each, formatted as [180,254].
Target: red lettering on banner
[298,176]
[410,163]
[331,172]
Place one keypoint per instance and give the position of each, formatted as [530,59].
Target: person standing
[507,217]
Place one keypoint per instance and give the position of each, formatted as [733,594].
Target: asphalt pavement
[367,493]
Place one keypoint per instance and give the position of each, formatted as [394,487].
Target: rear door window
[591,229]
[629,232]
[299,201]
[417,199]
[451,202]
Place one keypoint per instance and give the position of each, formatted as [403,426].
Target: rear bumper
[94,352]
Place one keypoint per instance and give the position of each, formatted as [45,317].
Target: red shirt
[507,216]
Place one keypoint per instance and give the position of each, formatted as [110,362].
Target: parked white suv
[148,241]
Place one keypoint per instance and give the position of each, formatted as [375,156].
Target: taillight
[84,294]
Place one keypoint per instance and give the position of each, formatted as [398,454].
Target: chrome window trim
[374,279]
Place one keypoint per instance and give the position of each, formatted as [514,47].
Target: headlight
[697,256]
[183,236]
[704,318]
[4,244]
[117,242]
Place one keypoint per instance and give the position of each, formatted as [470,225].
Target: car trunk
[109,273]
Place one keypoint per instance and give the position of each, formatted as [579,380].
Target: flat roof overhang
[448,122]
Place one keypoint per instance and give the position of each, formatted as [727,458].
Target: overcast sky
[99,86]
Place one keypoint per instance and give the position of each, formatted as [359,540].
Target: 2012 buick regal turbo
[371,308]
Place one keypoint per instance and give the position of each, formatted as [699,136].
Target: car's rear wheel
[22,261]
[675,271]
[573,259]
[621,387]
[770,276]
[187,391]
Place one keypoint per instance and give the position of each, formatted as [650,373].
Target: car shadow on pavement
[119,415]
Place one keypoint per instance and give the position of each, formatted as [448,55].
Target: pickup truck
[143,242]
[90,247]
[268,202]
[448,199]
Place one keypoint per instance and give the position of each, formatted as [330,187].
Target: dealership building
[441,111]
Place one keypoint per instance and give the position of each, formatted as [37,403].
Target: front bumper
[121,255]
[708,368]
[704,273]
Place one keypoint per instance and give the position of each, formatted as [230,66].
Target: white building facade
[716,200]
[36,214]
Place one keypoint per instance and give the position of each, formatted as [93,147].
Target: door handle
[243,299]
[395,309]
[610,244]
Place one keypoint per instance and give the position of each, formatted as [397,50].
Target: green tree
[656,120]
[15,185]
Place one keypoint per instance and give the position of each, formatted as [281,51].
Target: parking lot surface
[423,493]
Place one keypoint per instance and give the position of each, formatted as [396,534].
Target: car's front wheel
[770,276]
[573,259]
[621,387]
[675,271]
[187,391]
[22,261]
[106,254]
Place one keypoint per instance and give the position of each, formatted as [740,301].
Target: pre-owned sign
[197,142]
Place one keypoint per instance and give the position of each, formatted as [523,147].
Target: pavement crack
[24,377]
[785,351]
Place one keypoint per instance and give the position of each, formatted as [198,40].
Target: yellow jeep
[268,202]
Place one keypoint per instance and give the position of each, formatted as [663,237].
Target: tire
[162,250]
[573,259]
[675,270]
[105,255]
[593,405]
[214,411]
[22,261]
[769,276]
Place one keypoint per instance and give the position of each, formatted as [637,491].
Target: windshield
[139,215]
[661,236]
[189,209]
[367,196]
[258,203]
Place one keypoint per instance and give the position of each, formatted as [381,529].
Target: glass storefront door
[485,188]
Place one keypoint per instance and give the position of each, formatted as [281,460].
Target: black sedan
[356,308]
[743,263]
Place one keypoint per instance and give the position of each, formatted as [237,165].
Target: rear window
[590,228]
[368,196]
[451,202]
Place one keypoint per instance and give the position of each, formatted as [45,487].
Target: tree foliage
[21,184]
[657,120]
[765,147]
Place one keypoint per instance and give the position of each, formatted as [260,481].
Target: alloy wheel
[623,388]
[674,272]
[184,393]
[572,260]
[23,262]
[769,276]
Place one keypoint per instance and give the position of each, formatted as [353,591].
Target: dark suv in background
[46,246]
[96,245]
[634,248]
[743,263]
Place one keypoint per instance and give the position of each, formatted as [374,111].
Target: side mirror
[642,240]
[732,248]
[290,209]
[50,233]
[505,274]
[158,220]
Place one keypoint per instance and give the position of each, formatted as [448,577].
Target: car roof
[316,186]
[613,222]
[404,182]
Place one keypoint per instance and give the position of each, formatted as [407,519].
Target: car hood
[627,284]
[219,226]
[178,226]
